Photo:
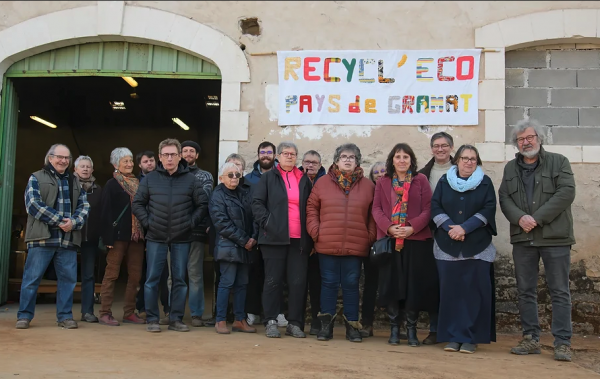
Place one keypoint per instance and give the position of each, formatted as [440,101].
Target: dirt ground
[128,351]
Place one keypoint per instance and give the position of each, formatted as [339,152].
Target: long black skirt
[467,302]
[411,278]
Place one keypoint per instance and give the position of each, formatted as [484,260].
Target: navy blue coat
[231,215]
[460,206]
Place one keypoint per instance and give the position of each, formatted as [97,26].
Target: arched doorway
[108,22]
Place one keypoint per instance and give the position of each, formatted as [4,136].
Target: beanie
[191,144]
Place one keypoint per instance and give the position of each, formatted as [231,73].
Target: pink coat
[419,207]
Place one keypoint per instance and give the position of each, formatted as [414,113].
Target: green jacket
[553,195]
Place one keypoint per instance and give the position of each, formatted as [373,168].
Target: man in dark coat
[169,204]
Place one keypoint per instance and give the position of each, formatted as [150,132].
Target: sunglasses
[231,175]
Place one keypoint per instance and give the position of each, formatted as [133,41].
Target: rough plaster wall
[14,12]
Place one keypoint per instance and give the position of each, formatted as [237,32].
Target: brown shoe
[221,327]
[242,326]
[108,320]
[133,319]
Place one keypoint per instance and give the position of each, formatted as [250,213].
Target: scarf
[462,185]
[346,179]
[400,210]
[86,184]
[130,184]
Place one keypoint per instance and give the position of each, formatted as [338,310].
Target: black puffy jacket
[170,206]
[207,184]
[231,214]
[270,210]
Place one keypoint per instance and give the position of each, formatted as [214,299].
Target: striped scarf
[346,179]
[400,209]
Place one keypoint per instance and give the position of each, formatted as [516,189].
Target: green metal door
[8,143]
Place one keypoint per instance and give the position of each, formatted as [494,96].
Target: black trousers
[281,263]
[314,288]
[369,292]
[256,280]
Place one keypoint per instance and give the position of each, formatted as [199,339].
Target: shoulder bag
[101,245]
[382,251]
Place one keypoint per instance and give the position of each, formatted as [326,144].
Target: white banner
[372,87]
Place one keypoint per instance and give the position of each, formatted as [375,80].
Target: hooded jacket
[170,206]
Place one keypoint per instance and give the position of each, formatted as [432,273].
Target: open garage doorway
[92,111]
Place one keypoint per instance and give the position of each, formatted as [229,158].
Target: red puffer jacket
[341,224]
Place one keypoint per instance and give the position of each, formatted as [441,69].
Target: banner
[373,87]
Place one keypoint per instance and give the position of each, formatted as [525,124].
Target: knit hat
[191,144]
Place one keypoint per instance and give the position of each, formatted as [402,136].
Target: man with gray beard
[536,194]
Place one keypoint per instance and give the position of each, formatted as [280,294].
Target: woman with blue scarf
[463,208]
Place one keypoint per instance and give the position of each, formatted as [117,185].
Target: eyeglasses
[265,152]
[237,175]
[437,147]
[61,157]
[382,171]
[467,160]
[528,138]
[170,155]
[288,154]
[347,158]
[310,163]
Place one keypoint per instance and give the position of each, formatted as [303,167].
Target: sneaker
[68,324]
[153,327]
[562,353]
[165,320]
[281,321]
[108,320]
[452,347]
[271,329]
[528,345]
[210,322]
[252,319]
[197,321]
[23,323]
[294,331]
[133,319]
[468,348]
[89,317]
[178,326]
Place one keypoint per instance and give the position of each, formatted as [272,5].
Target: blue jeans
[156,259]
[195,274]
[65,264]
[89,254]
[336,271]
[233,276]
[557,263]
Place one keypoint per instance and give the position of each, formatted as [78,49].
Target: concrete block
[589,117]
[494,126]
[491,151]
[591,154]
[588,78]
[573,153]
[532,97]
[589,136]
[575,59]
[526,59]
[490,94]
[555,116]
[579,22]
[552,78]
[515,77]
[514,115]
[580,97]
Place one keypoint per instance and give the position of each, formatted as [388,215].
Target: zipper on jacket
[288,179]
[170,216]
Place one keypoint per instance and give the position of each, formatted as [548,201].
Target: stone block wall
[560,87]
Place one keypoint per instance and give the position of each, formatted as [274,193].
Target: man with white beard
[536,194]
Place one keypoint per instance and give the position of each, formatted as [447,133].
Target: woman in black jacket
[231,215]
[90,234]
[123,236]
[279,208]
[463,208]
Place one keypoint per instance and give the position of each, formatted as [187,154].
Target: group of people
[311,230]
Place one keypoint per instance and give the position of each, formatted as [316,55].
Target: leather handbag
[381,251]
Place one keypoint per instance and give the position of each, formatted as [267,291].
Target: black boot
[411,327]
[326,331]
[353,330]
[394,315]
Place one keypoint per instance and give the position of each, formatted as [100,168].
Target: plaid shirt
[54,216]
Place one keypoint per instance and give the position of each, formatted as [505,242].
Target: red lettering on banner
[308,69]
